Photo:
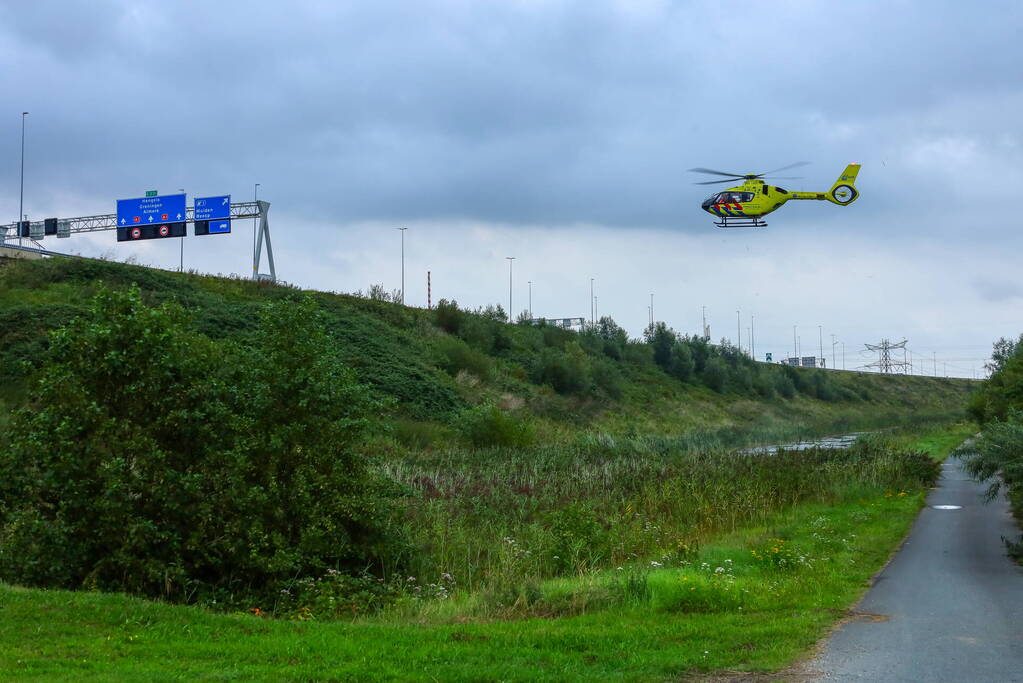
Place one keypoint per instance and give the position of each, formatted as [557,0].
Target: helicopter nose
[706,205]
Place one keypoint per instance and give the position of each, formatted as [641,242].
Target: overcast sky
[559,133]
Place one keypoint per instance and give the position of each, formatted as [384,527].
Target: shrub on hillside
[449,316]
[784,385]
[456,355]
[682,364]
[155,461]
[567,372]
[488,425]
[715,374]
[607,378]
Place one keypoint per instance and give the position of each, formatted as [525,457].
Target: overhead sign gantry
[211,215]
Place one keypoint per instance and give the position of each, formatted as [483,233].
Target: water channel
[841,441]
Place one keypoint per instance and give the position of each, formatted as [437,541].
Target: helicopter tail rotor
[844,191]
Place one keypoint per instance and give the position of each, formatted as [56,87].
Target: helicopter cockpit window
[733,197]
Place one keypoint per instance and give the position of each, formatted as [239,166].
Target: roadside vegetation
[754,599]
[996,454]
[256,450]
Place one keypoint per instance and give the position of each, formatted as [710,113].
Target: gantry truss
[108,221]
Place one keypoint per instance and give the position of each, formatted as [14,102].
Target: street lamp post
[752,344]
[593,307]
[738,332]
[530,283]
[21,198]
[510,259]
[255,198]
[833,363]
[820,342]
[402,265]
[181,252]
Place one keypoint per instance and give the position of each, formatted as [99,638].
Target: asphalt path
[948,607]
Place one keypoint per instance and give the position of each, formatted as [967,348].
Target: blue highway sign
[216,227]
[212,208]
[220,226]
[151,210]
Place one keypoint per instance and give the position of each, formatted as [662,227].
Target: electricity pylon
[884,362]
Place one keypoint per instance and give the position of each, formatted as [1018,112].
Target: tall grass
[495,518]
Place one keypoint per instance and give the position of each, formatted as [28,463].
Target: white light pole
[593,314]
[752,344]
[833,363]
[820,342]
[738,332]
[510,259]
[530,283]
[402,265]
[255,198]
[181,254]
[21,199]
[651,309]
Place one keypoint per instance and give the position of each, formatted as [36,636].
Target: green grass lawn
[750,615]
[752,600]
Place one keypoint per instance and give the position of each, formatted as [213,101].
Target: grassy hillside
[433,365]
[455,488]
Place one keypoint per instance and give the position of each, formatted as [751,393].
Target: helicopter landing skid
[741,223]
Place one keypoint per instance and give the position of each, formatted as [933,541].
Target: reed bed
[496,517]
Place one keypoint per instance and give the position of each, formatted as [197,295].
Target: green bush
[715,374]
[607,378]
[449,316]
[487,425]
[456,355]
[682,364]
[997,455]
[567,372]
[146,463]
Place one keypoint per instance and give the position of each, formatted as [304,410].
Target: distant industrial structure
[884,362]
[565,323]
[804,362]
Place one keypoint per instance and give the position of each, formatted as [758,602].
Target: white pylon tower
[884,362]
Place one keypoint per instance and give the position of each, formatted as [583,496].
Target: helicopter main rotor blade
[715,182]
[785,168]
[784,177]
[713,172]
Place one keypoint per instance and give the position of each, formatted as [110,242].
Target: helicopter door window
[734,197]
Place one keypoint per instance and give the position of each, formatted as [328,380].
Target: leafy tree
[449,317]
[1002,351]
[662,338]
[146,463]
[682,364]
[715,374]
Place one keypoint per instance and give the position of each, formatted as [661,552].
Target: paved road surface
[949,607]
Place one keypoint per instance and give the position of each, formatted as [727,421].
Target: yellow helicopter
[744,206]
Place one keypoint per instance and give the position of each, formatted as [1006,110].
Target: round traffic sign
[164,231]
[136,233]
